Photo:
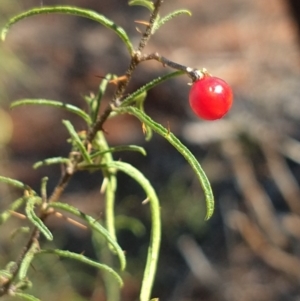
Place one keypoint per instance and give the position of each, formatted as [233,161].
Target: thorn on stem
[145,201]
[142,22]
[117,80]
[17,214]
[138,30]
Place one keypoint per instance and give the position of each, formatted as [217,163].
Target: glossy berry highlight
[210,97]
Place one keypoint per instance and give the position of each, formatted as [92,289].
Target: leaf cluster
[89,151]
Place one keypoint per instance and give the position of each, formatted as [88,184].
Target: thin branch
[149,28]
[60,187]
[193,73]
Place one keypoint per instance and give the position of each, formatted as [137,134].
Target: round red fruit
[210,98]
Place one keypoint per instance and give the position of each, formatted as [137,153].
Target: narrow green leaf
[29,209]
[27,259]
[77,141]
[50,161]
[11,266]
[86,260]
[5,215]
[140,100]
[153,250]
[170,16]
[14,183]
[112,289]
[55,104]
[95,102]
[44,188]
[108,187]
[110,195]
[26,296]
[90,14]
[135,95]
[158,128]
[5,275]
[148,4]
[110,181]
[95,225]
[120,148]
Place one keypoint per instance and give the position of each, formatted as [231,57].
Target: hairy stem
[149,28]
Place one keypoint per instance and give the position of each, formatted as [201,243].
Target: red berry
[210,97]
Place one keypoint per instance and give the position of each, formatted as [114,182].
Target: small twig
[60,187]
[148,31]
[193,73]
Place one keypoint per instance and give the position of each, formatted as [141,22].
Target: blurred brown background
[250,249]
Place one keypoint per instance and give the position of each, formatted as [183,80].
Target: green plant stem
[111,184]
[44,189]
[72,11]
[112,290]
[154,246]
